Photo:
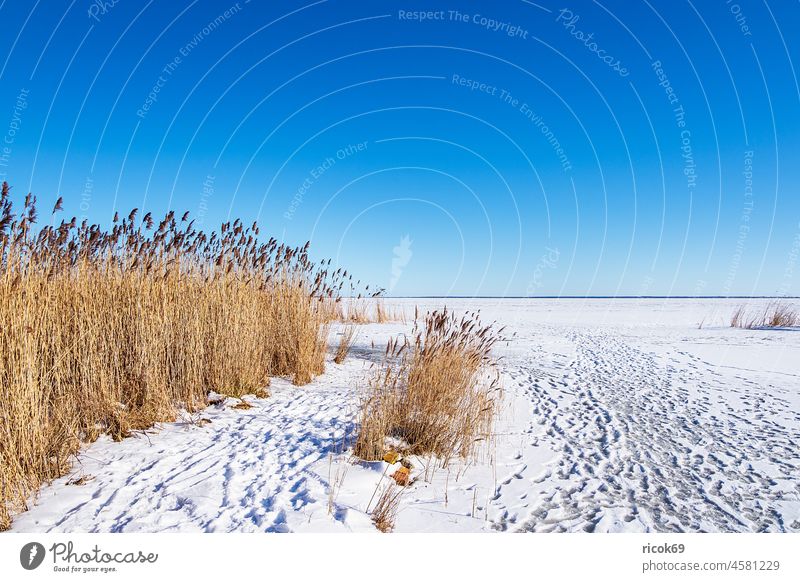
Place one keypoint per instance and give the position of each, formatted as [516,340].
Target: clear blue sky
[489,148]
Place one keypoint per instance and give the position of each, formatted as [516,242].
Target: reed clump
[436,393]
[774,314]
[347,338]
[387,314]
[371,309]
[385,513]
[355,310]
[112,330]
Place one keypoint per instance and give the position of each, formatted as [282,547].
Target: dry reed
[435,393]
[107,331]
[381,313]
[372,309]
[384,314]
[356,310]
[347,338]
[774,314]
[385,512]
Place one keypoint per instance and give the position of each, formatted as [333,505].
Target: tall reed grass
[107,331]
[434,394]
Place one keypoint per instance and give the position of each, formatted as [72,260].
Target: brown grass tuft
[385,512]
[346,341]
[384,314]
[381,313]
[356,311]
[372,309]
[434,393]
[774,314]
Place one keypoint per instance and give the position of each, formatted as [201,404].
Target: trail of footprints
[641,442]
[666,443]
[241,478]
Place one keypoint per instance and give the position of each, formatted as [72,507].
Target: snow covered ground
[619,415]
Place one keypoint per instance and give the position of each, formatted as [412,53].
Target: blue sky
[476,148]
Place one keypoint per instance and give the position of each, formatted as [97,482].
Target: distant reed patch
[775,314]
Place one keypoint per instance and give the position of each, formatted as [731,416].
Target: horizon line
[592,297]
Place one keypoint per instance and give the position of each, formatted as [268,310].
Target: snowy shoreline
[619,415]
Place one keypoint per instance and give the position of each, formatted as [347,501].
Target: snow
[618,415]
